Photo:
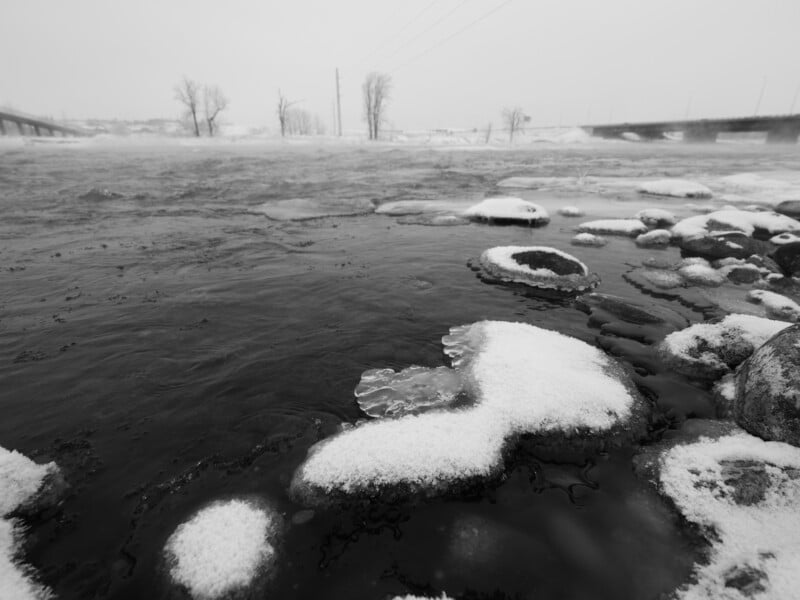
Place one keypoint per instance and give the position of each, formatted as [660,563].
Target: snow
[784,238]
[588,239]
[20,481]
[570,211]
[522,380]
[502,257]
[657,237]
[756,531]
[631,227]
[699,274]
[507,207]
[744,221]
[221,549]
[770,188]
[680,188]
[412,597]
[563,272]
[777,305]
[656,217]
[701,343]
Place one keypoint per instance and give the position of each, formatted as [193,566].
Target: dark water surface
[168,345]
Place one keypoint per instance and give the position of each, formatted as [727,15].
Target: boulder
[768,389]
[719,245]
[788,258]
[790,208]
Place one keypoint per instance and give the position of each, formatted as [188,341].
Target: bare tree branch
[375,93]
[283,112]
[214,102]
[187,92]
[513,118]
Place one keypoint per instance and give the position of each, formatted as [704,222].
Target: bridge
[783,129]
[29,125]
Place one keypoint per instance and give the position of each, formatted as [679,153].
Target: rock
[538,267]
[787,257]
[763,262]
[777,306]
[742,495]
[588,239]
[768,389]
[701,275]
[658,238]
[656,217]
[707,351]
[790,208]
[719,245]
[745,273]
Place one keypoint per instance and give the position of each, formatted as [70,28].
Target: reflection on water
[169,345]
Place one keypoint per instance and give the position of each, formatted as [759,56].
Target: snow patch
[679,188]
[570,211]
[743,221]
[222,548]
[588,239]
[631,227]
[656,217]
[777,306]
[508,208]
[521,379]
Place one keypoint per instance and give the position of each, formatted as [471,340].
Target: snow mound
[539,267]
[656,217]
[679,188]
[631,227]
[570,211]
[784,238]
[655,238]
[588,239]
[386,393]
[744,221]
[521,379]
[222,548]
[709,350]
[744,494]
[700,274]
[778,306]
[21,480]
[507,208]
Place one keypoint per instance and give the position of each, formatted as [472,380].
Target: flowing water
[168,344]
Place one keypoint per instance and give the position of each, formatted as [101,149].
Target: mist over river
[180,323]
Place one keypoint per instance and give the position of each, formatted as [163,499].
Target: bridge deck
[778,128]
[36,124]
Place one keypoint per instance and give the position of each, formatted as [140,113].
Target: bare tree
[283,112]
[298,122]
[187,92]
[214,102]
[375,92]
[513,118]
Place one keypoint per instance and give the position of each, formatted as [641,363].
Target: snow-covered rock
[744,221]
[657,238]
[768,389]
[22,483]
[222,549]
[699,274]
[570,211]
[679,188]
[784,238]
[656,217]
[539,267]
[630,227]
[521,379]
[743,495]
[787,256]
[709,350]
[777,306]
[508,209]
[588,239]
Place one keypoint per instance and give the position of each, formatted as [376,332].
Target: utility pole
[338,105]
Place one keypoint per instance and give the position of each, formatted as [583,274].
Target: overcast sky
[454,63]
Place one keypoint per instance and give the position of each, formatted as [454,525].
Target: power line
[424,31]
[450,37]
[398,32]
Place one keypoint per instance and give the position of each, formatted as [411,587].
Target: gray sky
[563,61]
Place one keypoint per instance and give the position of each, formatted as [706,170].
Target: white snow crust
[588,239]
[743,221]
[656,217]
[522,379]
[784,238]
[570,211]
[631,227]
[777,305]
[508,207]
[20,480]
[699,274]
[221,549]
[764,535]
[751,329]
[501,256]
[657,237]
[679,188]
